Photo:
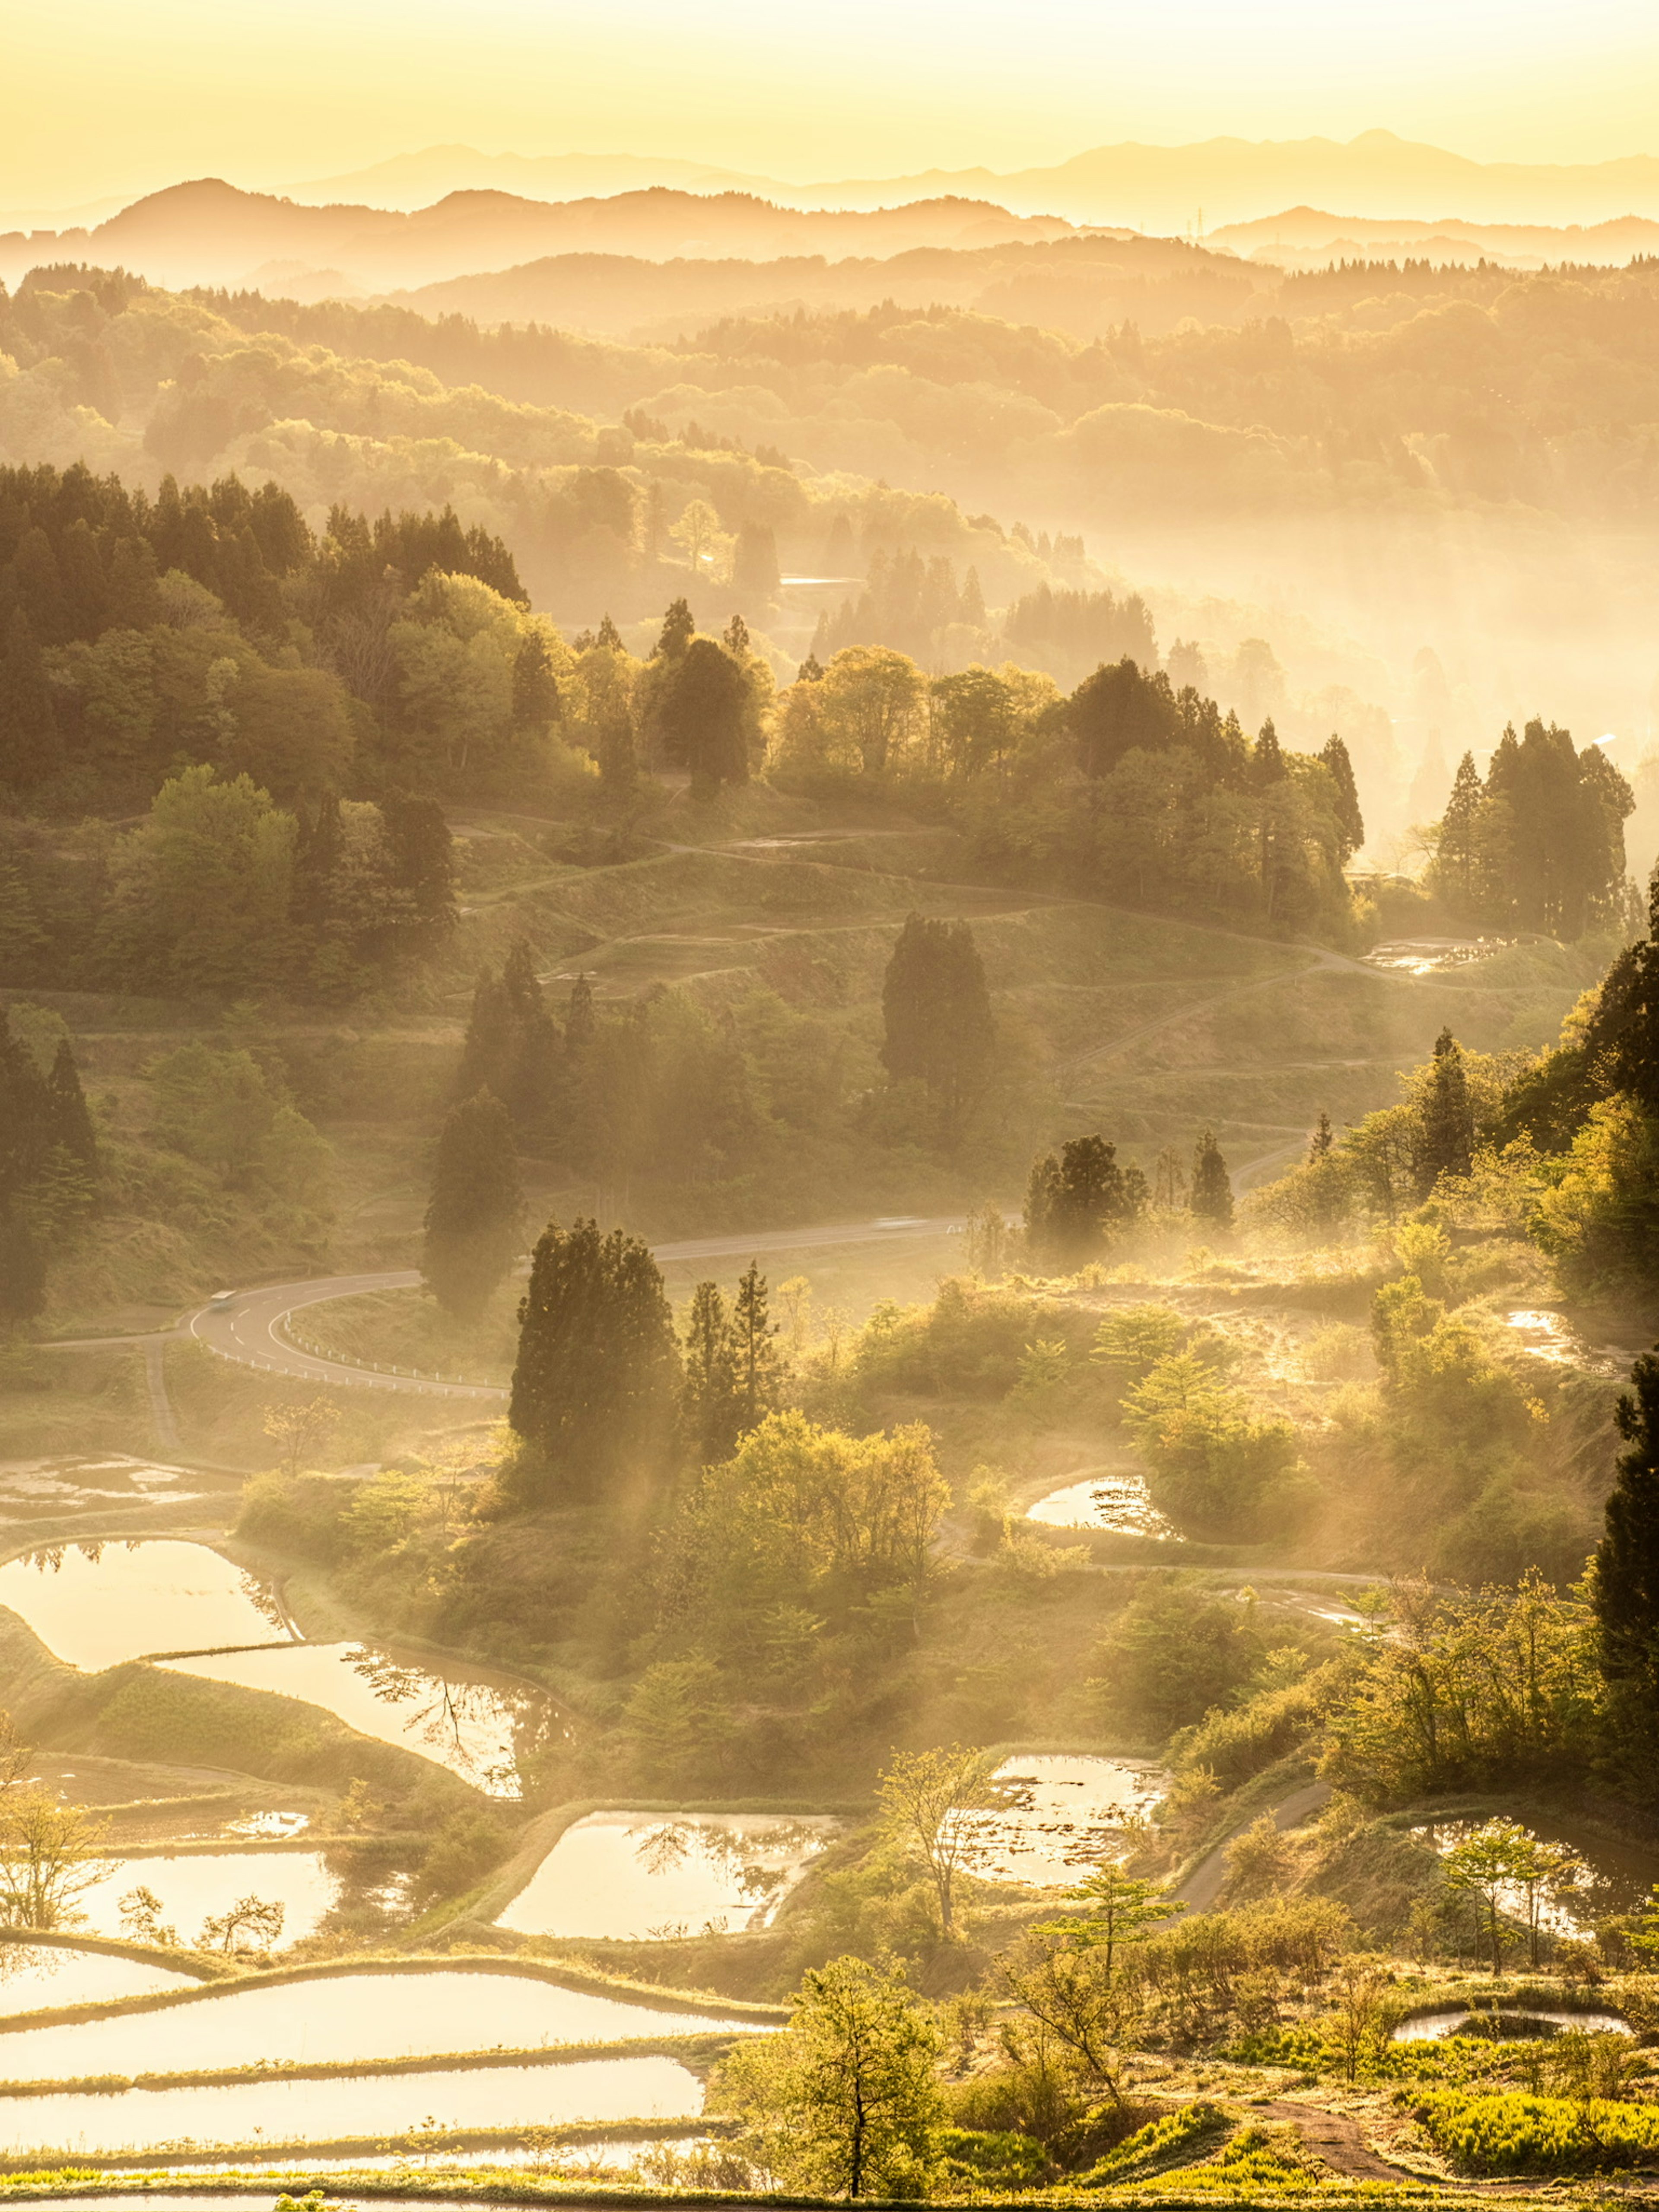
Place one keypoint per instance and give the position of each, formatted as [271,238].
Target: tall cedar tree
[678,629]
[1458,852]
[536,705]
[1350,822]
[1077,1204]
[68,1121]
[1625,1585]
[936,1014]
[703,714]
[475,1216]
[1212,1198]
[755,1354]
[423,864]
[597,1379]
[513,1048]
[1445,1134]
[710,1415]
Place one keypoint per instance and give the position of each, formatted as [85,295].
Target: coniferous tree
[422,863]
[754,1352]
[475,1216]
[24,1115]
[1211,1199]
[487,1056]
[536,705]
[735,637]
[1445,1134]
[1625,1580]
[68,1121]
[1350,822]
[1077,1204]
[580,1018]
[597,1379]
[1319,1144]
[701,712]
[936,1015]
[678,629]
[608,635]
[1458,853]
[30,749]
[710,1412]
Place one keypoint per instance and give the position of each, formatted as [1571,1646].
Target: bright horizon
[108,101]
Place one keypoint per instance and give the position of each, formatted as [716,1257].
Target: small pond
[361,2016]
[1507,2025]
[1065,1814]
[1114,1498]
[1432,956]
[372,2104]
[634,1874]
[478,1727]
[33,1976]
[197,1885]
[95,1605]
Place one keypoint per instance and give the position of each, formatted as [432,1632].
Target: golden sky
[108,97]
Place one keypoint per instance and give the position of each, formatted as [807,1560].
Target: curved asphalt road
[258,1327]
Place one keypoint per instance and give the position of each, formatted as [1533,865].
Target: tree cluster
[1538,843]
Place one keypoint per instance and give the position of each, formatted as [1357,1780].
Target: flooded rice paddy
[480,1729]
[1610,1877]
[95,1605]
[1065,1814]
[368,2104]
[196,1885]
[35,1975]
[1432,956]
[51,1489]
[636,1875]
[342,2017]
[1548,1335]
[1112,1498]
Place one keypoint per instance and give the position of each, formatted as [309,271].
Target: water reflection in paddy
[366,2105]
[1111,1499]
[364,2016]
[479,1729]
[1520,2024]
[1609,1877]
[33,1976]
[1065,1814]
[195,1885]
[42,1489]
[96,1604]
[632,1874]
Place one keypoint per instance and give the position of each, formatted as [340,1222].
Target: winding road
[259,1328]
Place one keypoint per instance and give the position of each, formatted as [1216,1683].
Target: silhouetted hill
[210,232]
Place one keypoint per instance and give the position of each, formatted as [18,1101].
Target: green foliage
[1506,2131]
[844,2102]
[597,1370]
[475,1214]
[936,1012]
[1212,1466]
[1173,1652]
[925,1798]
[1468,1691]
[222,1111]
[1078,1204]
[1169,2141]
[1625,1577]
[1540,844]
[971,1341]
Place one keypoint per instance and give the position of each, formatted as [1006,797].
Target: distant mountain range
[210,232]
[1306,237]
[1167,189]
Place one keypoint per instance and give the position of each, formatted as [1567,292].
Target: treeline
[1538,843]
[211,623]
[1128,787]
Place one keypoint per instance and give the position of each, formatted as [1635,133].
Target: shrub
[1506,2131]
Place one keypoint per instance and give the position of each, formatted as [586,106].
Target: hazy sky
[106,96]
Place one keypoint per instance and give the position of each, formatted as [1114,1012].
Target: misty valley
[829,1183]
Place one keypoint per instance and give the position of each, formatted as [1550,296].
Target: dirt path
[1203,1885]
[1337,2140]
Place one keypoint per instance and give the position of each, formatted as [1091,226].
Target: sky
[106,97]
